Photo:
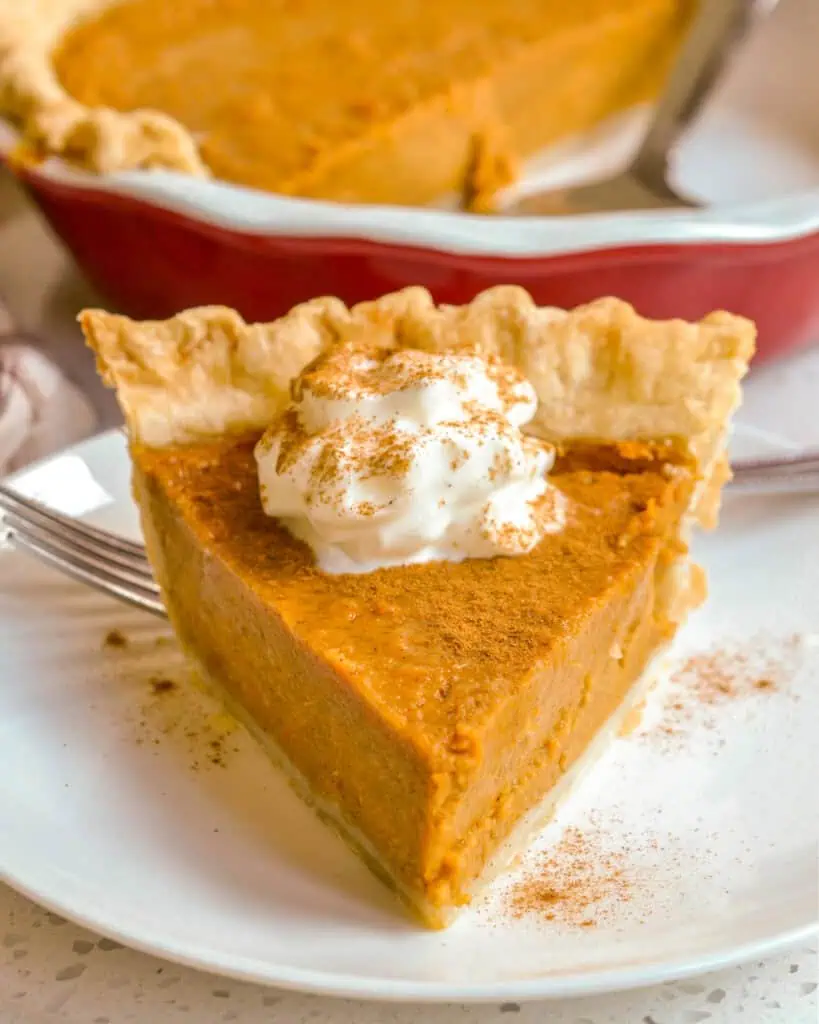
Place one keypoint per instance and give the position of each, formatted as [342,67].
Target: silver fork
[119,567]
[102,560]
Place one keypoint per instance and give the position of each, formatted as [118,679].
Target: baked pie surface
[364,102]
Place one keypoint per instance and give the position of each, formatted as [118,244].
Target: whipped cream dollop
[389,457]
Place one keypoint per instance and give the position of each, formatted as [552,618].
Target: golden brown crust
[601,371]
[205,372]
[101,139]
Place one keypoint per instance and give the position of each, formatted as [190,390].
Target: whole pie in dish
[358,101]
[435,707]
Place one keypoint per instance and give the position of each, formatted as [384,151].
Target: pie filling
[354,101]
[451,693]
[449,696]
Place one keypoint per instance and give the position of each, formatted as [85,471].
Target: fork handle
[719,27]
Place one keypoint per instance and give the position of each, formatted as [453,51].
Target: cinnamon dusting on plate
[172,721]
[573,883]
[115,639]
[159,686]
[706,681]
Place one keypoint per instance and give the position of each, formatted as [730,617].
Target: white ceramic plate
[112,813]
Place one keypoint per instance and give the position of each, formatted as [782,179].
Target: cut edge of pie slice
[639,409]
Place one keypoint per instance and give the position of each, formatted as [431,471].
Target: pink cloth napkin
[40,409]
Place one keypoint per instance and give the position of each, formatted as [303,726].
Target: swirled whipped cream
[388,457]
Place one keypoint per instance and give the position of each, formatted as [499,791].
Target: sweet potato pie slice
[433,713]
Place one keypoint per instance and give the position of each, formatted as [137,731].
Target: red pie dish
[157,242]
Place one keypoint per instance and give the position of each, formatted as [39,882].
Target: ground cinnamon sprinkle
[580,881]
[707,680]
[573,883]
[516,606]
[115,638]
[716,676]
[173,718]
[159,686]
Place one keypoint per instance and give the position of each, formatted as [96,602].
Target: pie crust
[601,371]
[101,139]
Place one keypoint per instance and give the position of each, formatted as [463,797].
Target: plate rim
[351,986]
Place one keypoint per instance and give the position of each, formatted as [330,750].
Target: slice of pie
[434,709]
[356,100]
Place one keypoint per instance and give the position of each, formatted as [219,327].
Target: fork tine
[64,533]
[790,475]
[140,595]
[782,466]
[140,577]
[775,483]
[31,509]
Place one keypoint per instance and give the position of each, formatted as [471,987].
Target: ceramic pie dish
[158,241]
